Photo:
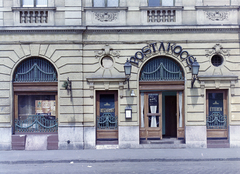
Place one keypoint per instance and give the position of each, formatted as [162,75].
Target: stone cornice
[105,8]
[118,29]
[109,79]
[219,78]
[42,29]
[32,8]
[178,28]
[217,7]
[162,8]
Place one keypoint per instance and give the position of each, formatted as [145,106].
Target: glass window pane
[99,3]
[153,109]
[153,3]
[112,3]
[36,104]
[167,2]
[41,3]
[28,3]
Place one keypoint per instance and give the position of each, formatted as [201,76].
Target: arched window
[35,70]
[161,69]
[35,96]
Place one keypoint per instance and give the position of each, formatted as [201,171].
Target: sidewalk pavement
[119,155]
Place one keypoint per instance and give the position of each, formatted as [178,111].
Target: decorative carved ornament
[107,51]
[217,15]
[217,49]
[106,16]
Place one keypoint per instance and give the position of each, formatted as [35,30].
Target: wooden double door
[161,114]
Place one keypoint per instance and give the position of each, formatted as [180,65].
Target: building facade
[63,82]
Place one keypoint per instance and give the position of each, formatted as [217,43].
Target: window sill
[217,7]
[33,8]
[162,7]
[105,8]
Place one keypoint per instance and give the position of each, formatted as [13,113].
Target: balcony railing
[37,123]
[159,16]
[34,15]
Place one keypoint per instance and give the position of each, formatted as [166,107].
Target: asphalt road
[181,167]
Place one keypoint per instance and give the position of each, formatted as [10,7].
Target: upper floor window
[156,3]
[105,3]
[34,3]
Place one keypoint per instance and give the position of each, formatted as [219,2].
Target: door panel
[107,119]
[217,114]
[151,119]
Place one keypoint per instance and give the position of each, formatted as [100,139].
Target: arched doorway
[35,104]
[161,84]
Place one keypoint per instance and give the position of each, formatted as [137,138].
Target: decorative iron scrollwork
[37,123]
[107,121]
[216,121]
[161,69]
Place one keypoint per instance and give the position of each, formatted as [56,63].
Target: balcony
[33,16]
[161,15]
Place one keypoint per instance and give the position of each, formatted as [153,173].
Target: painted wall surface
[78,37]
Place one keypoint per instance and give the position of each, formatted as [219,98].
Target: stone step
[107,147]
[104,142]
[163,141]
[226,145]
[162,146]
[218,143]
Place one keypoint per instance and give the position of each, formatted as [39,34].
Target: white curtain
[41,3]
[180,109]
[153,120]
[27,3]
[167,2]
[99,3]
[112,3]
[142,109]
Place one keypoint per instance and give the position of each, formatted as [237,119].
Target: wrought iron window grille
[35,70]
[107,121]
[161,69]
[37,123]
[216,121]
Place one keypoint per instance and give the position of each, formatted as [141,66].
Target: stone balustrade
[34,16]
[28,16]
[159,16]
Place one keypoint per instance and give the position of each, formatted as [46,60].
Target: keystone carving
[106,16]
[107,51]
[217,15]
[217,49]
